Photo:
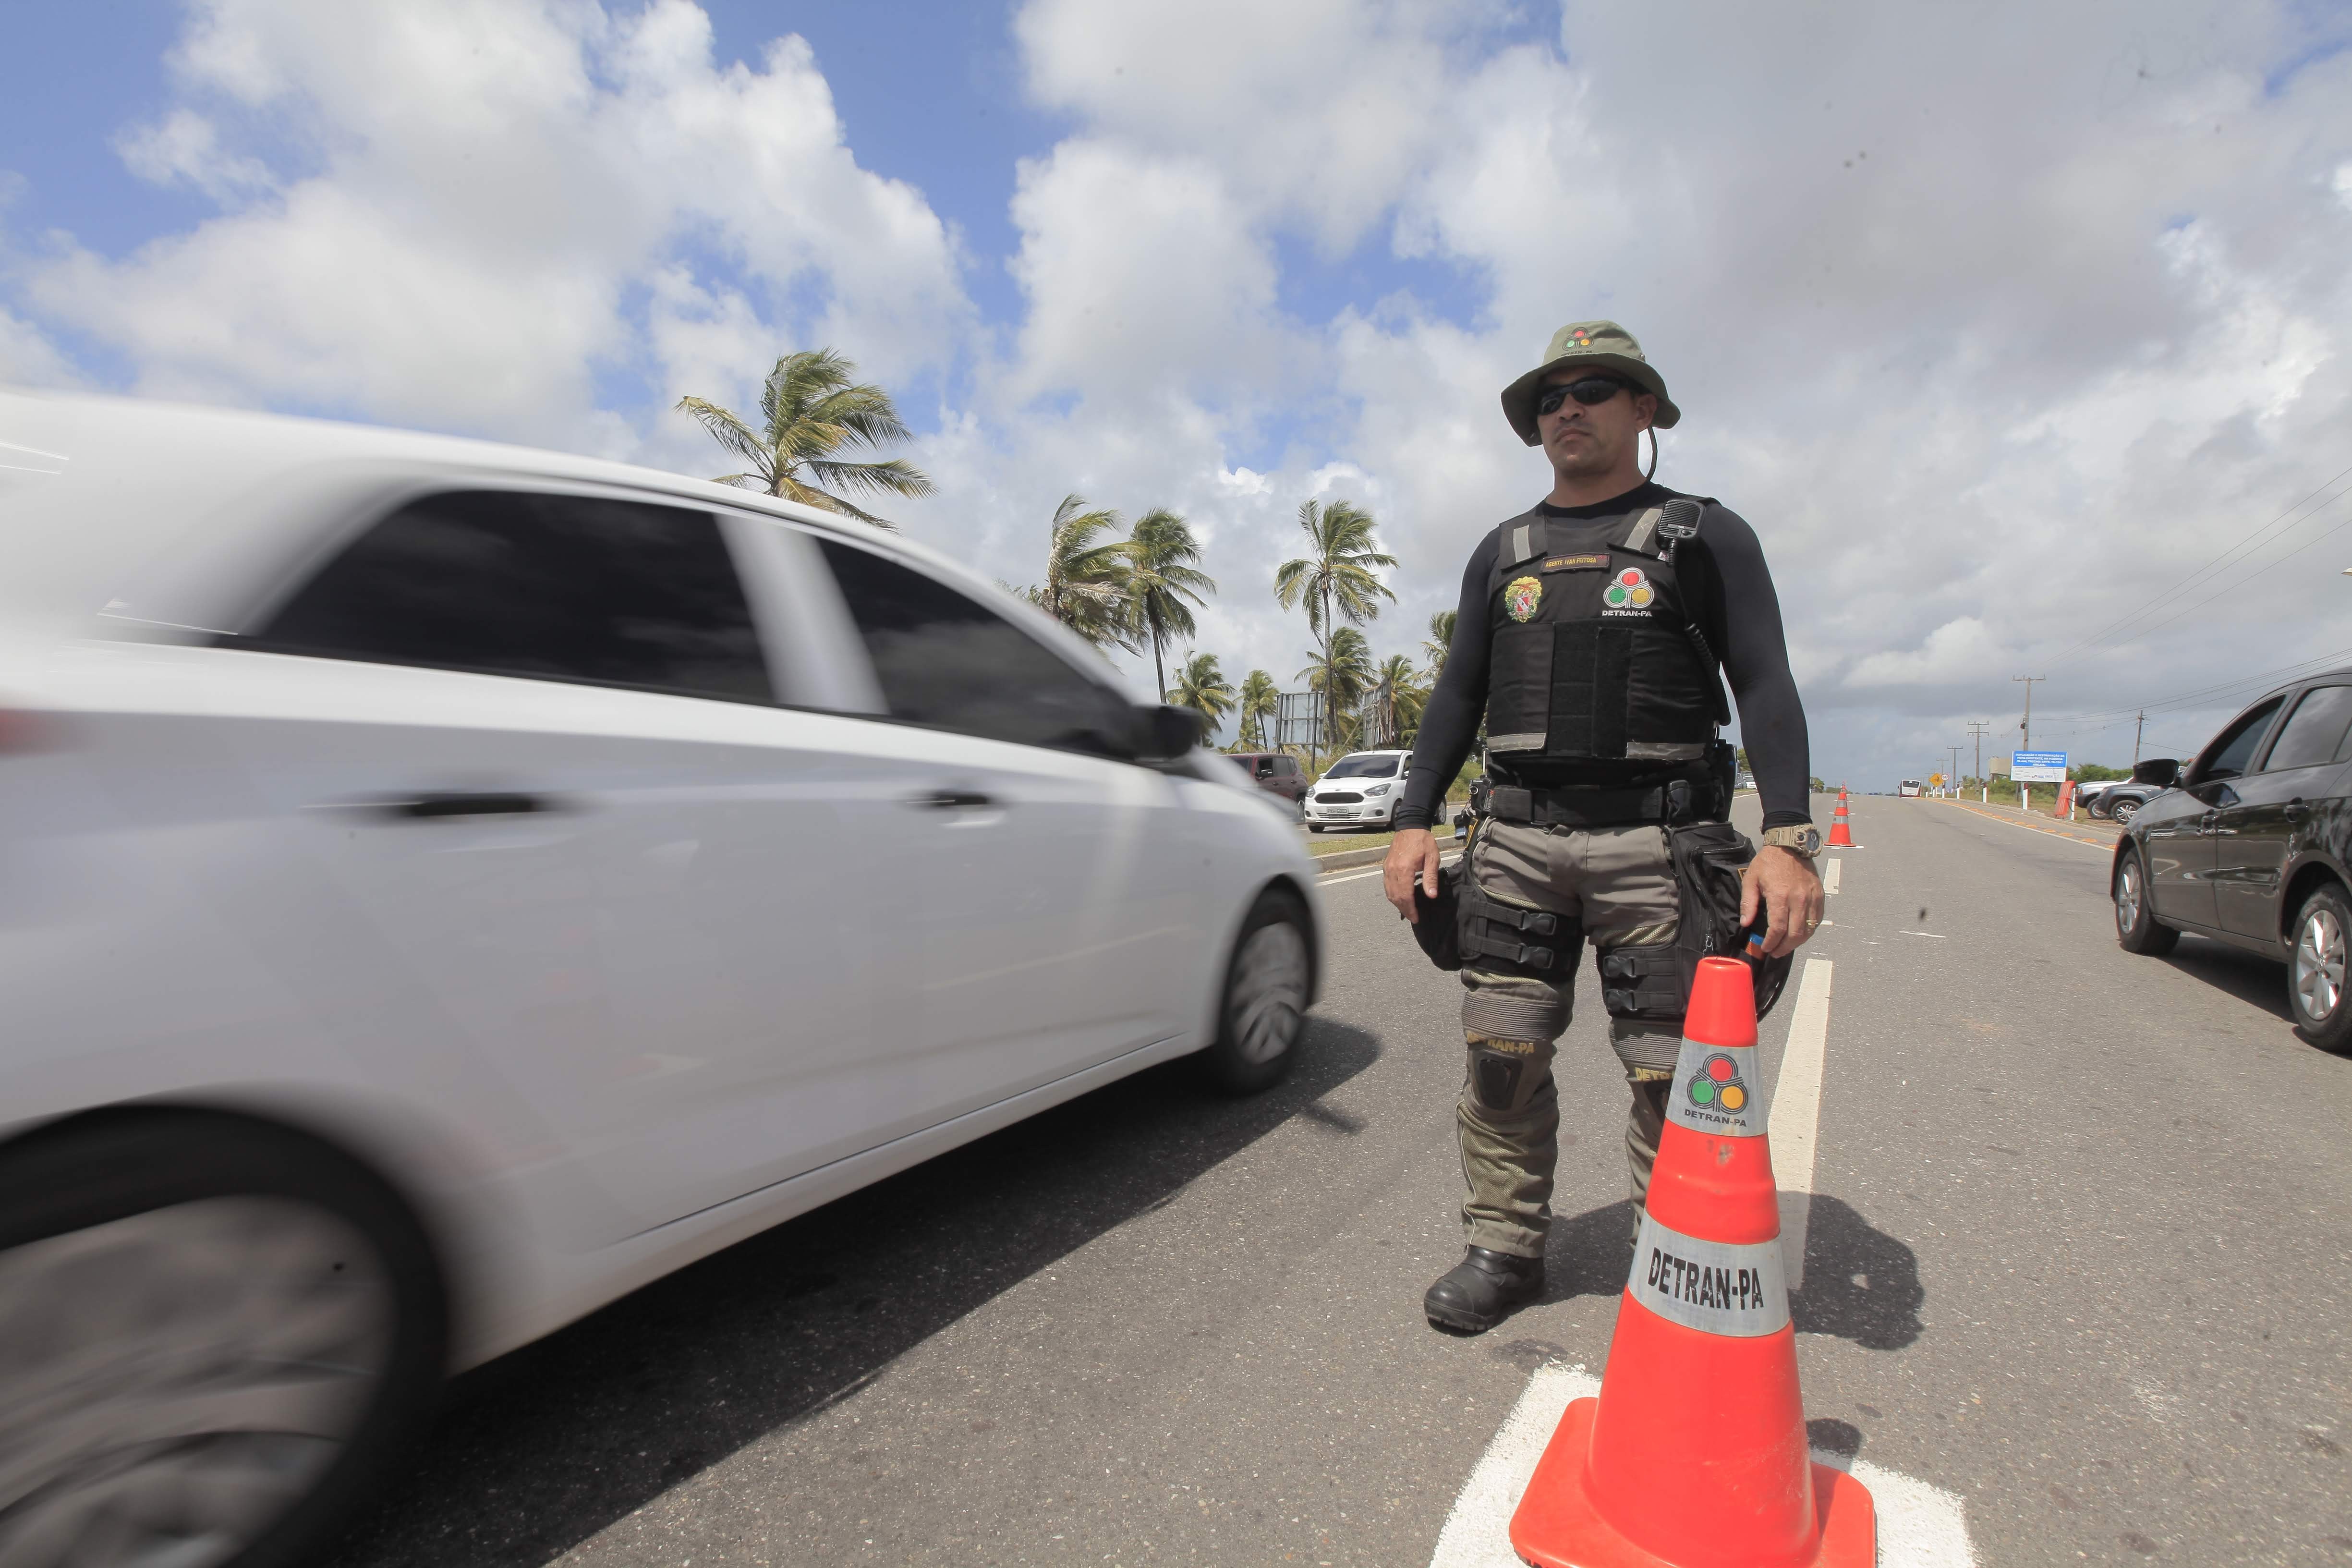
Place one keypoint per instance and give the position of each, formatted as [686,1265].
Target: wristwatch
[1803,839]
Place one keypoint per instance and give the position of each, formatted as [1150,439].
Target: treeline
[1132,588]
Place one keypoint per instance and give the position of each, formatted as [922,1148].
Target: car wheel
[1314,828]
[2314,970]
[2136,930]
[2124,811]
[214,1335]
[1265,1005]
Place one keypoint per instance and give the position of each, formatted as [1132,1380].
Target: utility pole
[2139,729]
[2026,728]
[1950,783]
[1977,727]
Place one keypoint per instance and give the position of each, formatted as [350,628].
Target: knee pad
[1645,983]
[1506,1076]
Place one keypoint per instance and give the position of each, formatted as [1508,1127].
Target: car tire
[145,1254]
[2315,980]
[1261,1011]
[2136,927]
[2122,812]
[1314,828]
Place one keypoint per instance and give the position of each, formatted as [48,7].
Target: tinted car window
[2315,732]
[2231,753]
[944,659]
[1363,767]
[552,587]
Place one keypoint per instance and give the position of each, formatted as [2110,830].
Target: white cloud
[1997,323]
[459,210]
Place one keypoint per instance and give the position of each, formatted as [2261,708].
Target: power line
[2251,541]
[2184,698]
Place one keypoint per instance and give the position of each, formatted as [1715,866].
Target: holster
[1708,858]
[1462,922]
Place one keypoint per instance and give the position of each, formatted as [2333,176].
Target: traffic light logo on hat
[1629,590]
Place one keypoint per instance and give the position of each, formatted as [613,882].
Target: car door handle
[2296,811]
[440,804]
[950,800]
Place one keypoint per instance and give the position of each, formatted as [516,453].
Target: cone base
[1557,1526]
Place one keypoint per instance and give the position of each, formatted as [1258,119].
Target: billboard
[2038,767]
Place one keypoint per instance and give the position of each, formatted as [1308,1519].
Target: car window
[943,658]
[551,587]
[2228,756]
[2315,732]
[1365,766]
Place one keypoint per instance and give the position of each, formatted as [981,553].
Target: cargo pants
[1619,884]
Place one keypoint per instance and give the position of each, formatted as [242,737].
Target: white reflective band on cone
[1730,1288]
[1717,1091]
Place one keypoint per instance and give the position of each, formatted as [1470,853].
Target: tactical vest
[1594,656]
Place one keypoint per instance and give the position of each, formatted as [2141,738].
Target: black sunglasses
[1590,391]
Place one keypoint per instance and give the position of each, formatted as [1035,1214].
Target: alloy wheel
[2319,961]
[2127,898]
[173,1383]
[1269,991]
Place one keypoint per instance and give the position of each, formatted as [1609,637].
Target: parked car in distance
[1360,788]
[2117,802]
[1276,773]
[448,887]
[2251,845]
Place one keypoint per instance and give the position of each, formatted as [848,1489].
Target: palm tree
[810,408]
[1398,698]
[1260,700]
[1440,641]
[1335,576]
[1342,677]
[1160,577]
[1086,586]
[1202,687]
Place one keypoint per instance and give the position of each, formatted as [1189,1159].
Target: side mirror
[2162,772]
[1163,733]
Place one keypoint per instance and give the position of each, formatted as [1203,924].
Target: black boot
[1482,1289]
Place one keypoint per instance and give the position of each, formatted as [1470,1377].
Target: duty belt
[1676,802]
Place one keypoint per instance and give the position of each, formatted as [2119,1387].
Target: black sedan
[2251,845]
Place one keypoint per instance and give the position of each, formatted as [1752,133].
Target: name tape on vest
[1737,1289]
[1716,1091]
[1596,562]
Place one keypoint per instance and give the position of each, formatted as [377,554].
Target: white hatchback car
[1362,787]
[444,886]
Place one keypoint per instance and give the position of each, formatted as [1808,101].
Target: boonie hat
[1605,345]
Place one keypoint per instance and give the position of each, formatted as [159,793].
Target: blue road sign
[2038,767]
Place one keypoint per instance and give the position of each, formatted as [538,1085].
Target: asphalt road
[2078,1255]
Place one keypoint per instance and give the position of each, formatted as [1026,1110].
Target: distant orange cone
[1838,832]
[1695,1456]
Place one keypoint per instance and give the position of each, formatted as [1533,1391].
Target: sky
[2022,335]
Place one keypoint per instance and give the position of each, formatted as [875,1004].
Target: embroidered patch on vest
[1597,562]
[1630,591]
[1522,596]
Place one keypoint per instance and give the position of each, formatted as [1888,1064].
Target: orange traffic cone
[1694,1455]
[1839,832]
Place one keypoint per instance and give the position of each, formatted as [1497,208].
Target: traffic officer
[1588,639]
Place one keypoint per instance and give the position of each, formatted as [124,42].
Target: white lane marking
[1328,880]
[1919,1525]
[1830,876]
[1937,934]
[1796,1113]
[1477,1533]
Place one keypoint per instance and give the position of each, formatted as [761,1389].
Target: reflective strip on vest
[1737,1289]
[1640,538]
[1717,1091]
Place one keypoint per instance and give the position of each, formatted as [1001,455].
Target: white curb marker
[1830,869]
[1796,1113]
[1919,1526]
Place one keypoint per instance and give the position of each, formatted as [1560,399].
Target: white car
[444,886]
[1361,787]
